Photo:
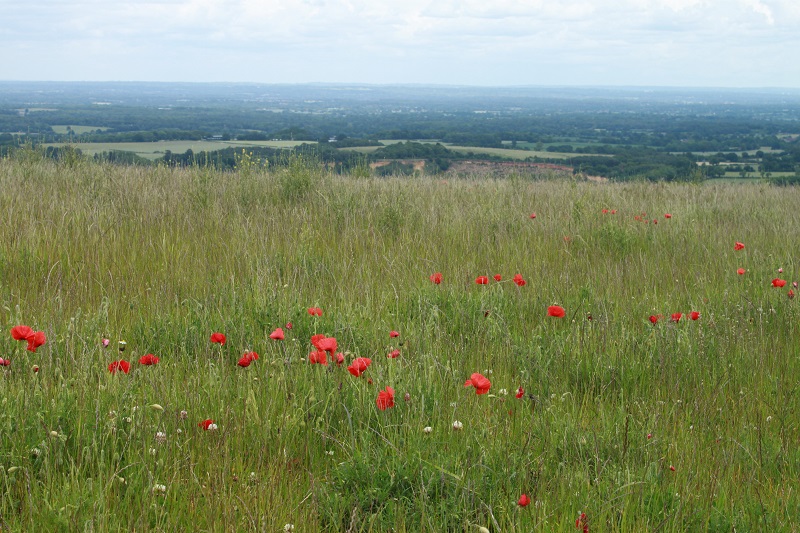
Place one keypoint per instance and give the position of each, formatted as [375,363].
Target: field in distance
[154,150]
[502,152]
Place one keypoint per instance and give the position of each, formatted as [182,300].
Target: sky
[680,43]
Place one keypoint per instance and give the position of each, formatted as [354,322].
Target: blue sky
[711,43]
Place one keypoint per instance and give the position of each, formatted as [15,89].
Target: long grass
[671,427]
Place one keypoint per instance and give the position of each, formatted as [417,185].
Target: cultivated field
[154,150]
[617,415]
[502,152]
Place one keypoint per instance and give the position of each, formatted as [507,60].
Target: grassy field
[687,425]
[502,152]
[78,130]
[154,150]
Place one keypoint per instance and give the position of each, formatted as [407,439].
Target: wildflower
[315,311]
[315,341]
[556,311]
[613,211]
[519,280]
[654,318]
[436,278]
[4,362]
[393,334]
[790,294]
[319,357]
[183,414]
[328,344]
[481,384]
[122,345]
[247,358]
[21,333]
[218,338]
[105,343]
[533,215]
[121,365]
[407,397]
[385,399]
[649,436]
[672,468]
[25,333]
[502,392]
[288,528]
[520,392]
[498,277]
[148,360]
[482,280]
[523,501]
[694,315]
[582,523]
[738,246]
[777,282]
[394,354]
[605,211]
[277,335]
[35,368]
[359,365]
[207,425]
[159,489]
[289,325]
[339,358]
[741,271]
[161,437]
[667,215]
[427,430]
[676,317]
[780,270]
[457,426]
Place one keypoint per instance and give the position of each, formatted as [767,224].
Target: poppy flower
[277,335]
[667,215]
[122,366]
[567,238]
[4,362]
[520,392]
[394,354]
[738,246]
[741,271]
[148,360]
[498,277]
[777,282]
[35,340]
[790,294]
[676,317]
[385,399]
[21,333]
[105,343]
[533,215]
[218,338]
[393,334]
[206,424]
[654,318]
[328,344]
[315,340]
[523,501]
[519,280]
[289,325]
[315,311]
[481,384]
[780,270]
[318,357]
[359,365]
[247,358]
[339,358]
[482,280]
[694,315]
[436,278]
[556,311]
[582,523]
[605,211]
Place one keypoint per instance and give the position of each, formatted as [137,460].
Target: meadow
[619,415]
[509,153]
[155,150]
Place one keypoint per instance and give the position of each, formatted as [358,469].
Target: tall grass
[674,426]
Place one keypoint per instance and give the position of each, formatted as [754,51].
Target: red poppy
[318,357]
[482,280]
[738,246]
[613,211]
[393,334]
[122,366]
[523,501]
[790,294]
[533,215]
[519,280]
[218,338]
[654,318]
[520,392]
[35,340]
[277,335]
[481,384]
[694,315]
[148,360]
[777,282]
[327,344]
[605,211]
[676,317]
[315,340]
[205,424]
[498,277]
[667,215]
[741,271]
[655,221]
[637,217]
[436,278]
[359,365]
[21,333]
[385,399]
[4,362]
[289,325]
[556,311]
[582,523]
[315,311]
[394,354]
[247,358]
[339,358]
[567,238]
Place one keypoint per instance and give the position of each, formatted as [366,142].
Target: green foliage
[300,177]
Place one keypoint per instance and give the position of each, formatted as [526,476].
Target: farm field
[154,150]
[78,130]
[502,152]
[633,367]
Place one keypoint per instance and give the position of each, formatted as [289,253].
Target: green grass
[163,257]
[78,130]
[502,152]
[154,150]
